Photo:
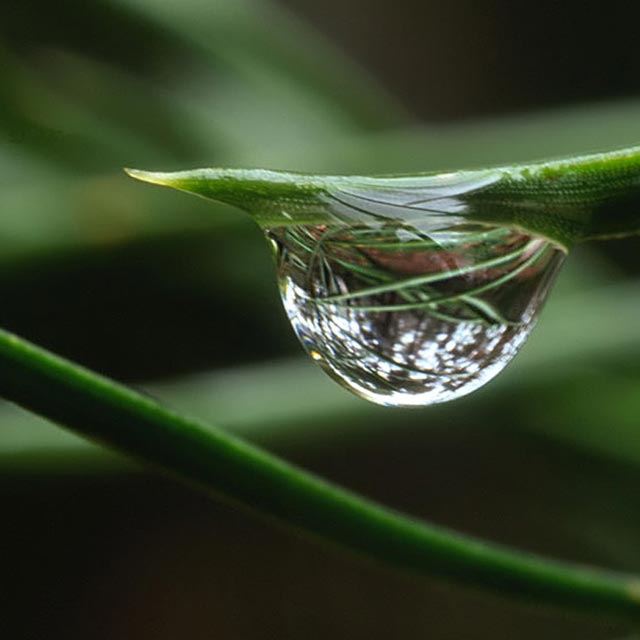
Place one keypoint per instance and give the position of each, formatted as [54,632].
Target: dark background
[177,297]
[461,59]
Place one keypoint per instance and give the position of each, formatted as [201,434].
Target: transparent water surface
[407,318]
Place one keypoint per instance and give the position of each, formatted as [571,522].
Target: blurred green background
[177,297]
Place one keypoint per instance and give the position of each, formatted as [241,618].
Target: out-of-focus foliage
[177,295]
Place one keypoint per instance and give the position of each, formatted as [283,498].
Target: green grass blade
[100,409]
[566,201]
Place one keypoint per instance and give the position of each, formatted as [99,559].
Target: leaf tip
[152,177]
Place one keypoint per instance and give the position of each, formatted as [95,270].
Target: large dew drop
[407,318]
[409,290]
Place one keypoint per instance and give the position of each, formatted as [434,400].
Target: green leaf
[566,201]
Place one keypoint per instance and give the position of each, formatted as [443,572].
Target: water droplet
[408,317]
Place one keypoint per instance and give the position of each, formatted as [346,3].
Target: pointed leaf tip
[152,177]
[257,191]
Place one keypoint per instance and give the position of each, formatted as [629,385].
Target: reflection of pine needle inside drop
[332,257]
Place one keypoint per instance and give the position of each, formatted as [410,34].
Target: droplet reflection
[406,318]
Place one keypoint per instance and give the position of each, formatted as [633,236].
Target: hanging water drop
[412,290]
[407,318]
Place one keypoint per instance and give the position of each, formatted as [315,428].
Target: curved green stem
[566,201]
[100,409]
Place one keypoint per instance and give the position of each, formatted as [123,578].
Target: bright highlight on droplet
[407,318]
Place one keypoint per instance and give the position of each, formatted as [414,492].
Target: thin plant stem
[229,468]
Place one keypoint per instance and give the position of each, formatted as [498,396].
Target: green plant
[226,466]
[566,201]
[77,87]
[233,470]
